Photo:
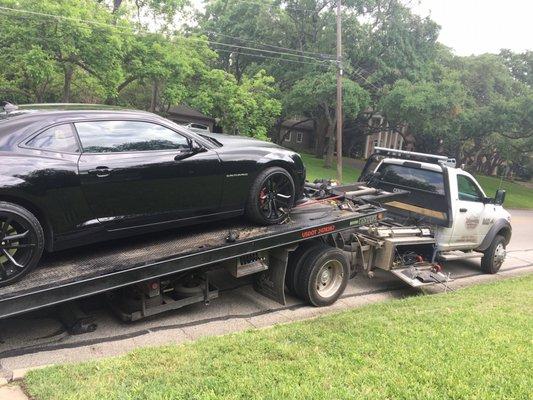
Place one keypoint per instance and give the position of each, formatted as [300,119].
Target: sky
[481,26]
[477,26]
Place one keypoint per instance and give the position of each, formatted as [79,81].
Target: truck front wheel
[494,255]
[323,276]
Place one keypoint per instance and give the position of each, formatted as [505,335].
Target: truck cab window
[413,178]
[467,189]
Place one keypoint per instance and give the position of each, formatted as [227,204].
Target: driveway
[39,339]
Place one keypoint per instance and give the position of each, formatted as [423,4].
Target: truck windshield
[416,178]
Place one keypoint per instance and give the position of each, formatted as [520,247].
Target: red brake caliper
[262,197]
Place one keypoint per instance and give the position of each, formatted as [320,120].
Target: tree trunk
[330,149]
[67,83]
[116,5]
[155,94]
[320,135]
[409,140]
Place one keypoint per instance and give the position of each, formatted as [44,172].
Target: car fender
[7,181]
[500,225]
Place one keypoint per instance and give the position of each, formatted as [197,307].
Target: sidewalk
[12,392]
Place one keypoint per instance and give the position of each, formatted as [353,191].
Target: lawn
[475,343]
[316,170]
[518,196]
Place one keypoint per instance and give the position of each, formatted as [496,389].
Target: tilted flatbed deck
[83,272]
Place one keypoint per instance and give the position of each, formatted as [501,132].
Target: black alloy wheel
[21,242]
[271,197]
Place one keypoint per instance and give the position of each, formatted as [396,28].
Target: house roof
[186,111]
[303,124]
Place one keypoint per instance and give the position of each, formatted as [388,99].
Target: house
[381,137]
[184,115]
[298,134]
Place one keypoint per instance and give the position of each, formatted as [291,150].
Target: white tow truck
[437,213]
[409,213]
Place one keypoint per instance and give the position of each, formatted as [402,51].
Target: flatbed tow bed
[84,272]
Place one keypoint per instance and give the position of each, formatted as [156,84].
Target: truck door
[470,214]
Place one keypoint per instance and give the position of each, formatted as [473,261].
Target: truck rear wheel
[294,266]
[494,255]
[323,276]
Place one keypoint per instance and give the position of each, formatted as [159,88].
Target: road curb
[19,374]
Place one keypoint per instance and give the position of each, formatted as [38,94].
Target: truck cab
[466,222]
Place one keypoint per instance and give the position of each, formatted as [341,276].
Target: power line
[332,57]
[233,50]
[271,6]
[130,30]
[274,58]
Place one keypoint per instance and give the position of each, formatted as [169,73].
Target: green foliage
[315,96]
[109,60]
[247,108]
[430,109]
[473,343]
[478,109]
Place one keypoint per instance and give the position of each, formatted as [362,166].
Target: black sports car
[76,174]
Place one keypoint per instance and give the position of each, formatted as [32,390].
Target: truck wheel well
[506,233]
[47,228]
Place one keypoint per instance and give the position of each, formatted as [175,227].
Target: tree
[315,97]
[425,113]
[65,46]
[247,108]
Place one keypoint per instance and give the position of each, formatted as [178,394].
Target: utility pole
[339,93]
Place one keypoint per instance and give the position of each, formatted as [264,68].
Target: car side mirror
[197,148]
[499,198]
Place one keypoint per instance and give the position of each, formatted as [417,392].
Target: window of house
[299,137]
[121,136]
[288,136]
[59,138]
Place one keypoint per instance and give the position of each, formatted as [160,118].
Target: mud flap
[420,276]
[271,283]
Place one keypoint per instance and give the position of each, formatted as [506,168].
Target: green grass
[316,170]
[518,196]
[475,343]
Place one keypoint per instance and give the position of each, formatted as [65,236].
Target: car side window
[468,190]
[59,138]
[121,136]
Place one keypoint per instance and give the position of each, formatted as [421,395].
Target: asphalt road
[39,339]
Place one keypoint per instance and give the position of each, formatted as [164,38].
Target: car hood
[239,141]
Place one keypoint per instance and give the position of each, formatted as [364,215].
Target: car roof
[32,117]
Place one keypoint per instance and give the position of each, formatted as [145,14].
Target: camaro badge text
[234,175]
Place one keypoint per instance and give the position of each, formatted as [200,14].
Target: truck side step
[458,255]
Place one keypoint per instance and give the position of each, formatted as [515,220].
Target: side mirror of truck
[499,198]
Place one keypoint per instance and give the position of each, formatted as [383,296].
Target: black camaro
[72,175]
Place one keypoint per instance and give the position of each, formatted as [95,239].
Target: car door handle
[100,172]
[463,210]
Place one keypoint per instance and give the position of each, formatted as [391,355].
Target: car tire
[494,256]
[324,276]
[271,196]
[21,242]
